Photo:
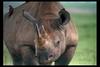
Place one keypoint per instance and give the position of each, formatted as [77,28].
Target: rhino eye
[57,43]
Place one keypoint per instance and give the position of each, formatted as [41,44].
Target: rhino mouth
[46,61]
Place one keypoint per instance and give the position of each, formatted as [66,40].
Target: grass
[6,56]
[86,50]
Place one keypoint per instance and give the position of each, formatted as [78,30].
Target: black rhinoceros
[39,33]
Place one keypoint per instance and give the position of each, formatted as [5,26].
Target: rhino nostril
[50,56]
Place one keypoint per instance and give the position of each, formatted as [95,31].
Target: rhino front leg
[17,59]
[66,57]
[28,56]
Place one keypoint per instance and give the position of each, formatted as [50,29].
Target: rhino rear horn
[28,16]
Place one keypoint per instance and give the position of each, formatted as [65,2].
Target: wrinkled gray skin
[38,33]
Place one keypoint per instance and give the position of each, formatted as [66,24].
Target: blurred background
[83,14]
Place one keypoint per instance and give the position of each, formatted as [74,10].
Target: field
[86,26]
[86,49]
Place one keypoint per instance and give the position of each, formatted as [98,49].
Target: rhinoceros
[39,33]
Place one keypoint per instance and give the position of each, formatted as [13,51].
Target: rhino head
[50,41]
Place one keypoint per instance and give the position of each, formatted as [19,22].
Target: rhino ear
[64,17]
[62,20]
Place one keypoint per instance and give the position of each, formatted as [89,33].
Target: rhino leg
[28,56]
[23,56]
[17,59]
[16,56]
[66,57]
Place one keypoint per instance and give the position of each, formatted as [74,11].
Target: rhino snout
[45,57]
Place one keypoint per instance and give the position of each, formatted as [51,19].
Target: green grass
[6,56]
[86,50]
